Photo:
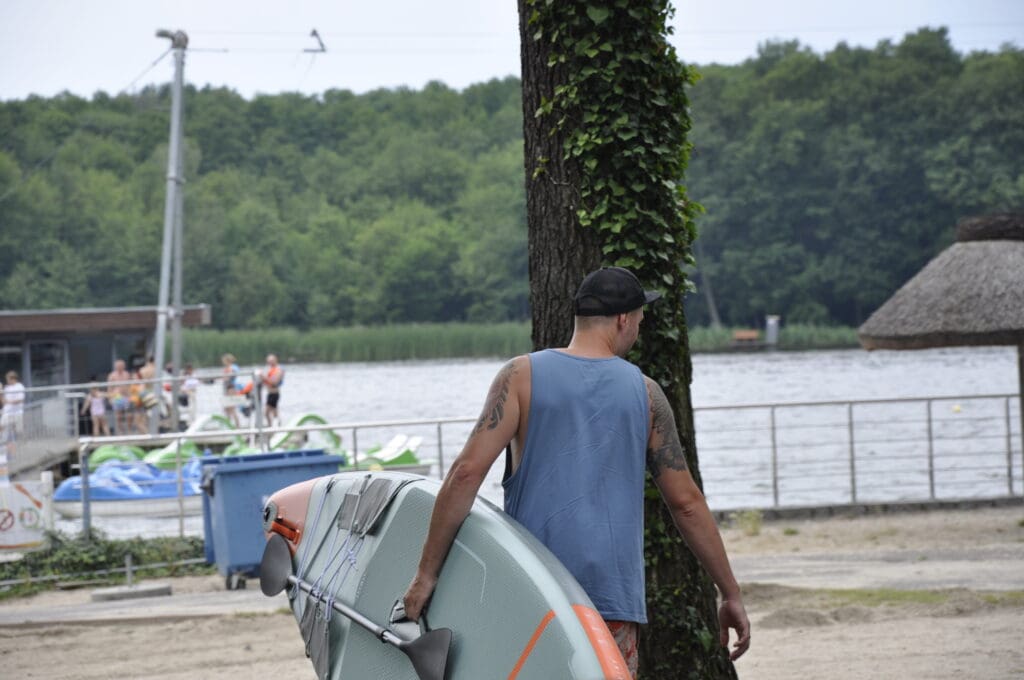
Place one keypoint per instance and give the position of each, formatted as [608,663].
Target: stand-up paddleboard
[346,547]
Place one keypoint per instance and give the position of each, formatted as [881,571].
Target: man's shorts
[273,398]
[627,637]
[120,403]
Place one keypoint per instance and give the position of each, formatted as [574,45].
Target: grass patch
[397,342]
[884,533]
[71,558]
[258,615]
[806,336]
[886,596]
[204,347]
[1010,598]
[791,337]
[748,521]
[790,531]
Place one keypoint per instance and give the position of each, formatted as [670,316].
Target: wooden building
[62,346]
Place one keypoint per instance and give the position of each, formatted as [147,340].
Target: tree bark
[560,251]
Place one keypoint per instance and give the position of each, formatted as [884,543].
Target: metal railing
[54,415]
[261,437]
[865,451]
[63,403]
[765,455]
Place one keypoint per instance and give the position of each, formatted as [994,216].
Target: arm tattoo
[494,407]
[664,448]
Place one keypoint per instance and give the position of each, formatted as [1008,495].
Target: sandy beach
[926,595]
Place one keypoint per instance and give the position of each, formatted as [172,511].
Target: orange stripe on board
[608,655]
[531,644]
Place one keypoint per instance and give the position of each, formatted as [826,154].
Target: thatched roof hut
[972,293]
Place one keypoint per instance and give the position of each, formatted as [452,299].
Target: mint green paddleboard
[513,609]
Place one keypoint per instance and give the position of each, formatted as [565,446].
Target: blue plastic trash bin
[235,491]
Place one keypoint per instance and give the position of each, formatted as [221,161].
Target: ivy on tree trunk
[605,125]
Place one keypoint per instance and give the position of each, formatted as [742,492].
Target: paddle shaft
[379,632]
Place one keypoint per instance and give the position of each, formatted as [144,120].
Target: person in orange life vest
[272,376]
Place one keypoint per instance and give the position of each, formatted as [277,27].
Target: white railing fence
[751,456]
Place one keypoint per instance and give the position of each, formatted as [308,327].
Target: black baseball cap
[610,291]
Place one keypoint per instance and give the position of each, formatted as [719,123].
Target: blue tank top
[579,487]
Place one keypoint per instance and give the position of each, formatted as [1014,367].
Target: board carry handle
[427,652]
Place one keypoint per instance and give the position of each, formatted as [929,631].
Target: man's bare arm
[496,427]
[664,451]
[666,459]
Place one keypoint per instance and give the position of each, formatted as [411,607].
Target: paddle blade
[429,653]
[276,566]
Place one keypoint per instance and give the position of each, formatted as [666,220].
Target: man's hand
[732,615]
[418,595]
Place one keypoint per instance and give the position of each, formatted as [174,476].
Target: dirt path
[842,599]
[932,596]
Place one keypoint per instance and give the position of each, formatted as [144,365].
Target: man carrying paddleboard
[582,424]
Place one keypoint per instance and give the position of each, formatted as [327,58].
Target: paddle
[428,652]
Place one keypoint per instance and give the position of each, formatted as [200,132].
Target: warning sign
[23,507]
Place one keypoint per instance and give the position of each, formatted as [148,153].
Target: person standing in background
[230,398]
[96,405]
[272,377]
[187,394]
[12,416]
[119,400]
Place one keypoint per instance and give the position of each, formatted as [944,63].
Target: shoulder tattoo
[494,407]
[664,449]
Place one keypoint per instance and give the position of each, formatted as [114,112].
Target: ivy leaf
[598,14]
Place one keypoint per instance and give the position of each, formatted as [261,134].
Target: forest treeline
[827,180]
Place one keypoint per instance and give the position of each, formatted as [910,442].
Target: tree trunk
[560,252]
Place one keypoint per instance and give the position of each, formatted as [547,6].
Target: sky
[257,46]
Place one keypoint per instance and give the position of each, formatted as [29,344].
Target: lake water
[812,445]
[437,389]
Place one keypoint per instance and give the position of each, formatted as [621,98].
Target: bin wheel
[234,581]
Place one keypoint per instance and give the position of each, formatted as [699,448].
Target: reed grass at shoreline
[398,342]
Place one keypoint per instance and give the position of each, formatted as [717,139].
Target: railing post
[775,462]
[83,461]
[181,488]
[853,455]
[1020,400]
[931,453]
[1009,449]
[257,391]
[440,453]
[355,448]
